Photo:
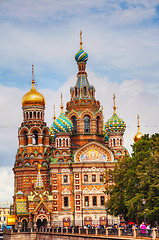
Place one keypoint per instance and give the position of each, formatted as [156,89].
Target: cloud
[6,184]
[114,12]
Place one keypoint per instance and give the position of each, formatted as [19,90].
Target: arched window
[44,137]
[26,115]
[35,138]
[25,138]
[67,142]
[84,91]
[114,141]
[30,114]
[38,115]
[98,119]
[74,120]
[34,114]
[76,93]
[86,124]
[60,142]
[120,142]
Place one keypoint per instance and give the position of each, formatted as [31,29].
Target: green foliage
[134,178]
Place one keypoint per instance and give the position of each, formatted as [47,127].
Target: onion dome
[81,56]
[33,97]
[138,135]
[62,123]
[115,124]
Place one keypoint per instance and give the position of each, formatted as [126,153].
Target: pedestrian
[143,229]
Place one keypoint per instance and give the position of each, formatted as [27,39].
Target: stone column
[154,233]
[119,232]
[106,231]
[134,232]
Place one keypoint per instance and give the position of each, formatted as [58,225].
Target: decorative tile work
[21,206]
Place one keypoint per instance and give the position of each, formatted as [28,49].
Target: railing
[98,231]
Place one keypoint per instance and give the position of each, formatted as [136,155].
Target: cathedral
[59,170]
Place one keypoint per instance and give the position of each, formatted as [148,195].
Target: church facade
[59,171]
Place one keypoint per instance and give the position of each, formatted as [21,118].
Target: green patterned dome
[62,124]
[115,124]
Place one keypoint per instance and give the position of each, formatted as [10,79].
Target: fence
[114,232]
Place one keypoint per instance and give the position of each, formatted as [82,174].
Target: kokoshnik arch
[58,171]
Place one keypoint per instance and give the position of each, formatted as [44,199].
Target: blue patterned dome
[115,124]
[81,56]
[61,124]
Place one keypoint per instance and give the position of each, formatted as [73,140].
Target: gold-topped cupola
[138,135]
[33,97]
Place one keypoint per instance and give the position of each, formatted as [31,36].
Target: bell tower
[34,149]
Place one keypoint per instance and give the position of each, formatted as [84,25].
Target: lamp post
[82,208]
[143,202]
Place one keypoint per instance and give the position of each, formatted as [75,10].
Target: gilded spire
[39,181]
[81,40]
[138,135]
[114,107]
[33,74]
[138,125]
[54,117]
[61,104]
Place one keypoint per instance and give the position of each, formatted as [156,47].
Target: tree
[136,177]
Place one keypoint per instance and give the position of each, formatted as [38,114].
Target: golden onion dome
[33,97]
[138,135]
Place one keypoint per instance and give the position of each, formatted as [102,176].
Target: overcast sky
[122,42]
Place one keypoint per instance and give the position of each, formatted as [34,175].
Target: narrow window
[93,178]
[120,142]
[76,93]
[30,114]
[101,178]
[65,179]
[94,201]
[114,141]
[67,142]
[86,201]
[98,119]
[60,142]
[102,200]
[44,137]
[74,120]
[25,138]
[65,201]
[85,178]
[38,115]
[34,114]
[84,91]
[35,138]
[86,124]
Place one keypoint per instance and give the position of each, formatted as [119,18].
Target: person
[148,229]
[143,229]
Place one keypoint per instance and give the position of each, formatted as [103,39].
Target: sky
[122,42]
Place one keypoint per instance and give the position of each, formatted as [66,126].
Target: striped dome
[115,124]
[81,56]
[61,124]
